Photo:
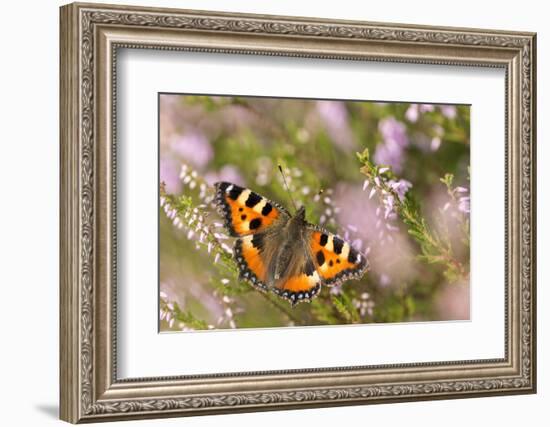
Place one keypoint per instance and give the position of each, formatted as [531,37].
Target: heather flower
[173,314]
[364,305]
[227,173]
[229,309]
[435,143]
[459,195]
[391,151]
[448,111]
[464,204]
[169,175]
[194,147]
[335,119]
[329,209]
[412,113]
[400,186]
[385,280]
[426,108]
[393,131]
[192,220]
[264,170]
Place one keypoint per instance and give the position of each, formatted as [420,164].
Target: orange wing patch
[300,288]
[251,265]
[335,259]
[300,283]
[244,211]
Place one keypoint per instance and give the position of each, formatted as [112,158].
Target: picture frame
[91,37]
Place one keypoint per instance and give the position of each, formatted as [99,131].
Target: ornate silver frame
[90,36]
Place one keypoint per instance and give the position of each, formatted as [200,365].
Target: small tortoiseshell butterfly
[284,253]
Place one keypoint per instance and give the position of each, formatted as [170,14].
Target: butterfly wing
[299,280]
[257,222]
[252,259]
[335,259]
[246,212]
[262,249]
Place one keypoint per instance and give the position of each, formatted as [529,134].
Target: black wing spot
[323,240]
[352,257]
[223,186]
[235,192]
[258,241]
[255,223]
[309,268]
[331,263]
[338,244]
[337,260]
[243,217]
[241,209]
[266,209]
[320,258]
[253,200]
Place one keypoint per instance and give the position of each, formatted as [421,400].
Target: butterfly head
[301,213]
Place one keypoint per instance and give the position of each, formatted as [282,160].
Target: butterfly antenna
[287,188]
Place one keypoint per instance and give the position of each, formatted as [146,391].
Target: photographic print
[336,214]
[278,212]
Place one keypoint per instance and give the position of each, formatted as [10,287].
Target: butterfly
[280,252]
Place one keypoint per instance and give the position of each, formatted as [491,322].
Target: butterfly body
[280,252]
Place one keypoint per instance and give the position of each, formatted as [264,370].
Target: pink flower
[426,108]
[169,174]
[412,113]
[395,140]
[448,111]
[464,204]
[400,187]
[335,119]
[227,173]
[194,148]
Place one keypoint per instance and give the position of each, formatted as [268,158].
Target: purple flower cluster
[227,173]
[335,119]
[414,111]
[364,305]
[194,147]
[169,175]
[391,151]
[386,213]
[461,198]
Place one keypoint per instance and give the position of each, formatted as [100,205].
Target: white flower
[464,204]
[400,187]
[372,193]
[435,143]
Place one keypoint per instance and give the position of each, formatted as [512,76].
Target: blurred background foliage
[395,181]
